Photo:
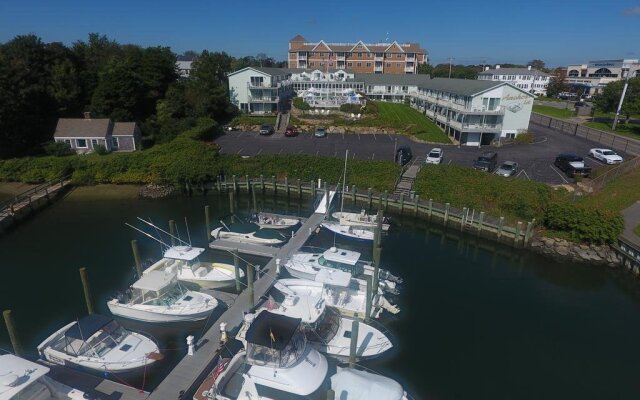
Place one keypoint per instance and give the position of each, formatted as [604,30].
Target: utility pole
[624,92]
[450,61]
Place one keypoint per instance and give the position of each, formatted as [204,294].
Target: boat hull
[349,231]
[125,311]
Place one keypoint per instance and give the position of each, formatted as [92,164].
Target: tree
[425,69]
[608,100]
[210,69]
[557,85]
[120,93]
[537,64]
[457,71]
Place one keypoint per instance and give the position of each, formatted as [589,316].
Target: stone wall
[564,250]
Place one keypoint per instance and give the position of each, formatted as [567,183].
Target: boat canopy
[341,256]
[154,281]
[351,384]
[87,326]
[271,330]
[184,253]
[243,228]
[333,277]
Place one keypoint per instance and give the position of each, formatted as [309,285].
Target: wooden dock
[246,248]
[192,370]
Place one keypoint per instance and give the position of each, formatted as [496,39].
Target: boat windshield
[334,264]
[325,328]
[166,298]
[285,358]
[109,337]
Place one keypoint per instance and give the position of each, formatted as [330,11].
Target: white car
[607,156]
[434,156]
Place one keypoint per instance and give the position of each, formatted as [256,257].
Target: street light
[395,146]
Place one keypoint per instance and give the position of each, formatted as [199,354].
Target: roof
[268,326]
[372,47]
[16,374]
[463,87]
[182,57]
[154,281]
[392,79]
[298,38]
[87,326]
[267,70]
[341,256]
[513,71]
[352,384]
[82,127]
[124,129]
[186,253]
[333,277]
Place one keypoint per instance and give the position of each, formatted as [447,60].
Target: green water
[478,321]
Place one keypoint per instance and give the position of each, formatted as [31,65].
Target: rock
[562,250]
[152,191]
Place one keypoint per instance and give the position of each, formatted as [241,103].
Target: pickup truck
[572,165]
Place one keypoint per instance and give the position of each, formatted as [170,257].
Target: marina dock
[191,370]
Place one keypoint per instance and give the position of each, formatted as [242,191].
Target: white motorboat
[329,332]
[276,360]
[22,379]
[99,343]
[307,265]
[355,384]
[274,221]
[359,219]
[347,295]
[184,262]
[249,233]
[353,232]
[159,297]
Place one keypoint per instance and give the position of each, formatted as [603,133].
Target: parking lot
[535,160]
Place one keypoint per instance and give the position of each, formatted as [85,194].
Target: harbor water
[478,320]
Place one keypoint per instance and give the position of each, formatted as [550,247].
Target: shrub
[351,108]
[584,224]
[524,138]
[100,149]
[300,104]
[57,149]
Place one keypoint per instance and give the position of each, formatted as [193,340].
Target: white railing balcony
[410,58]
[481,127]
[409,68]
[264,99]
[378,68]
[302,57]
[379,59]
[341,58]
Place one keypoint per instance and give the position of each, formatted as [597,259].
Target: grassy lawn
[619,194]
[629,130]
[254,120]
[540,98]
[637,230]
[553,112]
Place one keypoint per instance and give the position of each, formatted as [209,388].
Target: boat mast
[344,179]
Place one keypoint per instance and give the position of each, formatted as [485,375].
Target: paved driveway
[535,160]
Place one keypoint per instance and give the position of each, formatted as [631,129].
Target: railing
[601,180]
[379,59]
[463,219]
[8,207]
[608,139]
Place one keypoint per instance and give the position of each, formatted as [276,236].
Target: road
[535,160]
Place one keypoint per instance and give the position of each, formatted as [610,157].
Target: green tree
[119,94]
[537,64]
[425,69]
[608,100]
[557,85]
[94,55]
[210,69]
[457,71]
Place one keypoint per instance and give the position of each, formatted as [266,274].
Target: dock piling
[232,205]
[369,280]
[275,185]
[354,343]
[255,202]
[353,194]
[331,395]
[416,204]
[446,213]
[236,264]
[480,222]
[246,179]
[87,291]
[13,332]
[207,221]
[136,257]
[172,230]
[500,226]
[235,184]
[516,237]
[250,273]
[369,194]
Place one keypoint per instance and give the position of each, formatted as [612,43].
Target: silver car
[508,168]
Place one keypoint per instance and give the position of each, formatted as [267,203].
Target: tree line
[41,82]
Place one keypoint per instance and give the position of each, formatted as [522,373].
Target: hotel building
[595,75]
[529,79]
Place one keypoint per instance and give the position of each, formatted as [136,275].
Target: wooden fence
[465,219]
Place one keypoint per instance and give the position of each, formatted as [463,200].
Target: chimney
[529,67]
[497,66]
[486,68]
[87,115]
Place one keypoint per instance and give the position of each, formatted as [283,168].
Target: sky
[470,31]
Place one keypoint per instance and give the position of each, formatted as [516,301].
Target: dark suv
[486,161]
[572,164]
[403,155]
[266,129]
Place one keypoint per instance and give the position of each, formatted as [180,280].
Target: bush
[57,149]
[300,104]
[100,149]
[351,108]
[524,138]
[584,224]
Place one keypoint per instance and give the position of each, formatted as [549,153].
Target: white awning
[154,281]
[333,277]
[185,253]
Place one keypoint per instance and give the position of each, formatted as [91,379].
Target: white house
[259,90]
[595,75]
[475,112]
[529,79]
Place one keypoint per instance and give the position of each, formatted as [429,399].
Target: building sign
[510,97]
[605,64]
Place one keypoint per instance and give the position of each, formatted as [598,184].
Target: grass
[618,194]
[553,112]
[637,230]
[628,130]
[540,98]
[254,120]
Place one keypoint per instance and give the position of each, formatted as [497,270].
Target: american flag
[330,58]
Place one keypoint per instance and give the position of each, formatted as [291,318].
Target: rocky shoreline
[152,191]
[561,249]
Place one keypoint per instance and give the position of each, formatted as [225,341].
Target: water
[478,320]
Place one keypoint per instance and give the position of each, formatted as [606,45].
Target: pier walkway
[192,370]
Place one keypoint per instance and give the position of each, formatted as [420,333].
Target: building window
[388,64]
[349,64]
[321,63]
[398,55]
[359,64]
[359,55]
[398,64]
[405,88]
[68,141]
[311,64]
[257,81]
[94,143]
[368,64]
[81,143]
[114,143]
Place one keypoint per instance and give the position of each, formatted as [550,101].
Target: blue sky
[471,31]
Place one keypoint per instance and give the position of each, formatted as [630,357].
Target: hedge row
[584,224]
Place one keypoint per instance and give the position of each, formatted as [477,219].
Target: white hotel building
[595,75]
[529,79]
[471,111]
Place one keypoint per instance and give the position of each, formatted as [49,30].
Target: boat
[326,330]
[99,343]
[249,233]
[347,295]
[361,219]
[184,262]
[356,384]
[307,266]
[352,232]
[158,297]
[274,221]
[22,379]
[276,363]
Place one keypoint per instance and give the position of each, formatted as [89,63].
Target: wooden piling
[500,226]
[516,237]
[172,230]
[326,195]
[369,280]
[331,395]
[236,264]
[529,231]
[246,180]
[446,213]
[255,201]
[262,182]
[430,208]
[136,257]
[354,343]
[463,220]
[207,222]
[481,222]
[250,279]
[275,185]
[235,184]
[87,291]
[369,194]
[386,200]
[314,190]
[401,203]
[232,208]
[299,189]
[13,332]
[415,205]
[353,194]
[286,184]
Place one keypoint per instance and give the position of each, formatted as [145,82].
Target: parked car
[266,129]
[403,155]
[607,156]
[508,168]
[435,156]
[487,161]
[572,165]
[320,132]
[291,131]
